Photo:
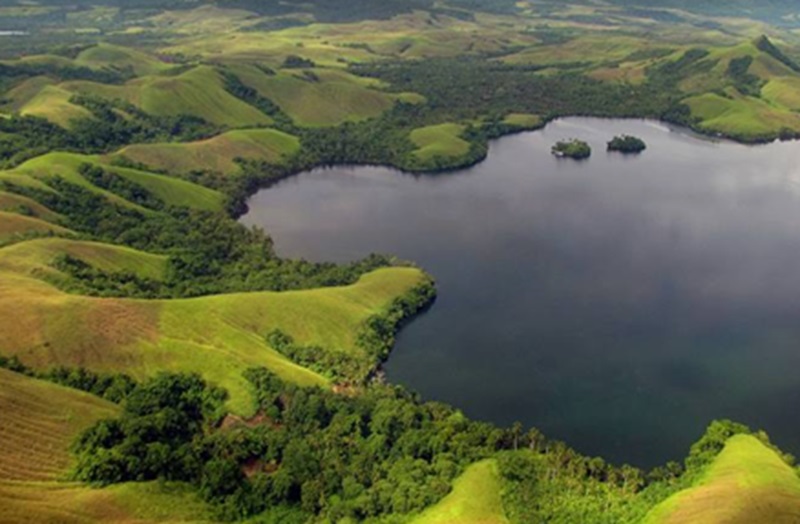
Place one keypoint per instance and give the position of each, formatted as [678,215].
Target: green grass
[107,55]
[441,140]
[198,92]
[784,91]
[218,336]
[50,416]
[741,116]
[747,483]
[22,93]
[590,47]
[171,190]
[13,202]
[13,225]
[336,98]
[34,257]
[52,103]
[475,499]
[523,120]
[40,422]
[217,153]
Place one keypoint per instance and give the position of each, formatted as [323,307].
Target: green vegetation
[576,149]
[475,499]
[627,144]
[438,144]
[42,421]
[747,482]
[222,153]
[248,385]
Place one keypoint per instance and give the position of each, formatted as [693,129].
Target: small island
[627,144]
[576,149]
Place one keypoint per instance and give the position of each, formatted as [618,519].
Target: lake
[619,304]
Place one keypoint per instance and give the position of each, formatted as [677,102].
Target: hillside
[475,499]
[747,482]
[41,422]
[218,337]
[219,154]
[37,172]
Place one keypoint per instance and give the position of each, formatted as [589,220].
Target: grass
[40,421]
[198,92]
[588,48]
[52,103]
[441,140]
[741,116]
[523,120]
[475,499]
[216,154]
[335,98]
[12,224]
[105,55]
[218,336]
[171,190]
[33,257]
[784,91]
[413,35]
[13,202]
[24,92]
[748,482]
[69,503]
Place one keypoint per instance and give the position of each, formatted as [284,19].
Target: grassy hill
[12,224]
[171,190]
[215,154]
[33,257]
[106,55]
[53,103]
[741,116]
[475,499]
[216,336]
[197,92]
[441,140]
[748,482]
[328,98]
[18,203]
[40,422]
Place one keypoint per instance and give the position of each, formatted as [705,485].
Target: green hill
[12,224]
[328,98]
[217,336]
[747,483]
[106,55]
[197,92]
[215,154]
[170,190]
[40,422]
[475,499]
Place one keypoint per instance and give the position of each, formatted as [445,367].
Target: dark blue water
[619,304]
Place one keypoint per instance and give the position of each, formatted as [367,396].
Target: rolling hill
[170,190]
[197,92]
[41,420]
[748,482]
[215,154]
[217,336]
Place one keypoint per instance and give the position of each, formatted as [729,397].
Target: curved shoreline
[239,207]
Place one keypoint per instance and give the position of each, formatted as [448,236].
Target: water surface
[619,304]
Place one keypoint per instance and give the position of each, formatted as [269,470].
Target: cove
[619,304]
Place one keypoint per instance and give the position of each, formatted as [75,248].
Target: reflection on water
[619,304]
